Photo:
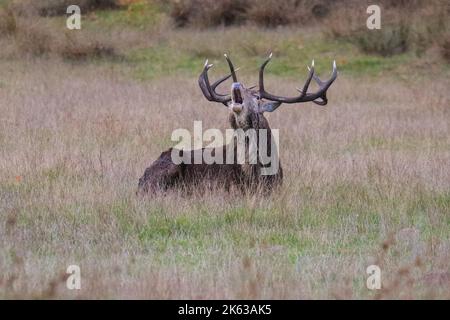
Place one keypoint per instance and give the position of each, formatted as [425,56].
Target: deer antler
[304,95]
[209,91]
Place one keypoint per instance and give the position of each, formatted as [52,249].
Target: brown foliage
[39,38]
[266,13]
[207,13]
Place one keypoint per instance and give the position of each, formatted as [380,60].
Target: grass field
[367,178]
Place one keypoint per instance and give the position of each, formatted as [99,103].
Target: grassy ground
[367,177]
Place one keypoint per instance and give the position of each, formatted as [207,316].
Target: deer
[246,108]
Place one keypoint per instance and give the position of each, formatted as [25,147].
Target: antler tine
[304,95]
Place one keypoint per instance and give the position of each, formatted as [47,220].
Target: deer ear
[269,106]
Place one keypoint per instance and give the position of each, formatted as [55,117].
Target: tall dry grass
[405,26]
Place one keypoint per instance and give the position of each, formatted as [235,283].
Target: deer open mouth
[237,96]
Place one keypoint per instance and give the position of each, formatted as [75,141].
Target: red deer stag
[246,112]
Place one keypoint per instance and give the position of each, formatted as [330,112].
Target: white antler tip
[206,62]
[334,64]
[309,69]
[225,55]
[270,55]
[312,63]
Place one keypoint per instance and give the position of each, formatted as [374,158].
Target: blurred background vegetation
[83,112]
[156,37]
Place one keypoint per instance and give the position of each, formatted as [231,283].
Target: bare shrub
[434,29]
[418,26]
[320,10]
[78,47]
[34,38]
[266,13]
[72,147]
[273,13]
[343,23]
[403,4]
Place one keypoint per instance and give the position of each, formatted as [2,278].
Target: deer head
[246,102]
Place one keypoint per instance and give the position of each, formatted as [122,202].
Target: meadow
[367,178]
